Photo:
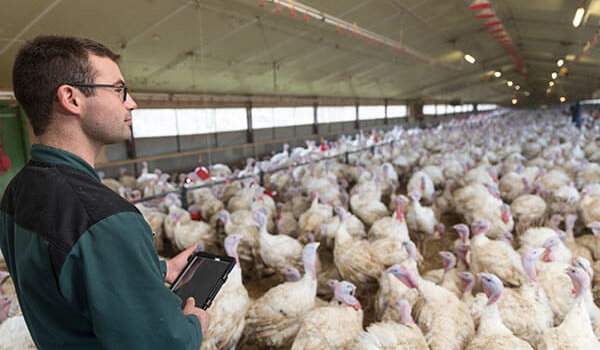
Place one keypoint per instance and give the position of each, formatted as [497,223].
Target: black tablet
[203,277]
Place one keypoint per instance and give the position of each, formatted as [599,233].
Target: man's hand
[178,263]
[191,309]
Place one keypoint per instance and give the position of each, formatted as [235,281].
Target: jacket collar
[51,155]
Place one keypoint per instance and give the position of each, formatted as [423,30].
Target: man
[82,259]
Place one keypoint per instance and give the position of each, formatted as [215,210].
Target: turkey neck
[228,226]
[479,239]
[417,205]
[399,213]
[570,235]
[342,236]
[315,203]
[308,281]
[310,273]
[579,310]
[264,234]
[428,290]
[491,323]
[236,276]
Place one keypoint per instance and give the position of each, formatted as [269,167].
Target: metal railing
[183,190]
[261,175]
[254,145]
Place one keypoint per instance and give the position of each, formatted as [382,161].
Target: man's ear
[69,98]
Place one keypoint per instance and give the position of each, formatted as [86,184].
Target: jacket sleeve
[114,277]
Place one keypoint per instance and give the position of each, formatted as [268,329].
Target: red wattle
[546,257]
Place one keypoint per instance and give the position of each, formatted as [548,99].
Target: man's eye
[119,90]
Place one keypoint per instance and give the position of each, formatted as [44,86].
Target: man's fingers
[184,255]
[204,321]
[187,252]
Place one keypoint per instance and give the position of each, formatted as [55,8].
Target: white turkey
[444,319]
[334,326]
[274,319]
[575,332]
[492,333]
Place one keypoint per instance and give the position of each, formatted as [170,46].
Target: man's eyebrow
[120,82]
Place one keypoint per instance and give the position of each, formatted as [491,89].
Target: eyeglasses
[119,87]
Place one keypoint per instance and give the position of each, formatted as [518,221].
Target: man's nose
[130,102]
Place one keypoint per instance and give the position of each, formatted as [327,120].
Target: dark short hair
[47,62]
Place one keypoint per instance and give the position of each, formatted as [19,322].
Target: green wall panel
[15,141]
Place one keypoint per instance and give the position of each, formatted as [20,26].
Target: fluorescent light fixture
[562,99]
[560,62]
[514,101]
[517,87]
[578,17]
[554,75]
[497,74]
[551,83]
[570,57]
[469,58]
[509,83]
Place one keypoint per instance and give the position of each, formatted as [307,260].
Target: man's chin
[126,135]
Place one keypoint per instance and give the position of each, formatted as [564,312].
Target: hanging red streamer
[485,15]
[479,5]
[492,24]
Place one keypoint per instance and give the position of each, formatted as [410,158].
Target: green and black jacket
[83,262]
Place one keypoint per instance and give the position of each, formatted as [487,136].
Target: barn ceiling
[240,47]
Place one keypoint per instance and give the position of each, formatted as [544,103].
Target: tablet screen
[202,278]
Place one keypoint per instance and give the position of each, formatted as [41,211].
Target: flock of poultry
[508,204]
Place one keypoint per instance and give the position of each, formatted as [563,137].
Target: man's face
[107,118]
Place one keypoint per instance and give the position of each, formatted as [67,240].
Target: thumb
[190,302]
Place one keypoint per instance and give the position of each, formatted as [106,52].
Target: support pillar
[385,115]
[315,121]
[249,131]
[415,112]
[356,120]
